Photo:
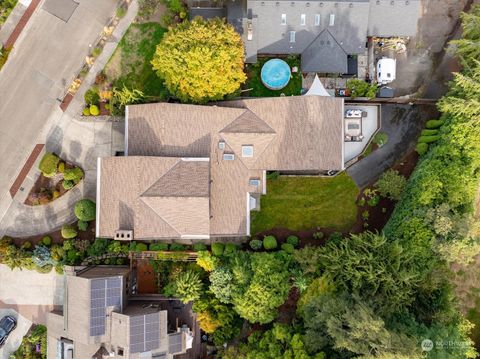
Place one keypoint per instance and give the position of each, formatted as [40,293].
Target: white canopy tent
[317,88]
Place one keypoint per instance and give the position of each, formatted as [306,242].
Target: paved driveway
[15,338]
[403,124]
[43,63]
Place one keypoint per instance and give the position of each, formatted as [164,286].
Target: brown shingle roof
[165,197]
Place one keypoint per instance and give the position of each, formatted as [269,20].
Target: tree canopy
[200,60]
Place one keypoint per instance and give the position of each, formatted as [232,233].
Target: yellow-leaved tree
[200,60]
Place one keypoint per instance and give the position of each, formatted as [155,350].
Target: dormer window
[247,151]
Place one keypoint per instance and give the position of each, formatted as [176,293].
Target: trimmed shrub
[372,202]
[61,167]
[287,247]
[92,96]
[230,248]
[55,194]
[67,184]
[82,225]
[217,249]
[428,139]
[47,241]
[48,164]
[434,124]
[429,132]
[85,210]
[69,231]
[269,242]
[391,184]
[94,111]
[293,240]
[86,111]
[318,235]
[73,174]
[198,247]
[141,247]
[380,139]
[256,244]
[26,245]
[158,246]
[421,148]
[177,247]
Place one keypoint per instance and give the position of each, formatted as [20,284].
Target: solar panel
[104,292]
[144,333]
[175,343]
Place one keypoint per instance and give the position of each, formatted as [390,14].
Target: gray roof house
[98,320]
[324,32]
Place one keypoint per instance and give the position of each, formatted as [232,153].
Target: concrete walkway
[402,123]
[77,141]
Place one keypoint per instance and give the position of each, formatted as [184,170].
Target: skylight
[247,151]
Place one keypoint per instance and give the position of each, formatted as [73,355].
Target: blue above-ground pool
[275,74]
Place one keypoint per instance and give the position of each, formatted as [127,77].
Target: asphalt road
[44,61]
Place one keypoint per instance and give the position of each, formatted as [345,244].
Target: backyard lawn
[130,64]
[258,89]
[301,203]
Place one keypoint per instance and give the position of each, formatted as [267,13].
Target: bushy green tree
[85,210]
[188,286]
[201,60]
[73,174]
[68,231]
[391,184]
[222,284]
[206,261]
[48,164]
[360,88]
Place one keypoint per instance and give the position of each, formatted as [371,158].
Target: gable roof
[248,122]
[324,55]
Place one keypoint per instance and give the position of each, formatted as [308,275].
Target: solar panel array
[144,333]
[104,292]
[175,343]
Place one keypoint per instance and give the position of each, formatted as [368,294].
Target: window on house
[317,19]
[247,151]
[228,156]
[302,20]
[292,36]
[332,19]
[284,19]
[254,182]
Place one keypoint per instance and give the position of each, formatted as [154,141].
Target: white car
[386,70]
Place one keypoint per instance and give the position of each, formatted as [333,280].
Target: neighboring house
[327,33]
[195,172]
[99,321]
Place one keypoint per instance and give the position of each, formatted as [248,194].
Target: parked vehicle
[386,70]
[7,325]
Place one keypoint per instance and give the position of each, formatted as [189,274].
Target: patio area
[370,125]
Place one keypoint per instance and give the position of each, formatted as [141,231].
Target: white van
[386,70]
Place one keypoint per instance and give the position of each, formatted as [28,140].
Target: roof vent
[392,2]
[263,3]
[336,4]
[351,5]
[407,2]
[277,3]
[292,3]
[228,156]
[307,4]
[378,2]
[123,235]
[321,4]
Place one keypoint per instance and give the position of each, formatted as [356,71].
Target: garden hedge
[229,249]
[421,148]
[94,111]
[86,111]
[69,231]
[256,244]
[269,242]
[293,240]
[177,247]
[82,225]
[73,174]
[47,241]
[431,124]
[85,210]
[198,247]
[48,164]
[217,249]
[429,132]
[428,139]
[67,184]
[158,247]
[287,247]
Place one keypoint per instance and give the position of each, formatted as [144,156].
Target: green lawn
[300,203]
[254,81]
[130,64]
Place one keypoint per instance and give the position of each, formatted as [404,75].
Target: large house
[99,321]
[195,172]
[328,34]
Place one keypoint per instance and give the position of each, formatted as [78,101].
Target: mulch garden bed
[44,187]
[287,311]
[56,236]
[378,215]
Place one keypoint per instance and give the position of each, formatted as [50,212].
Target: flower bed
[57,178]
